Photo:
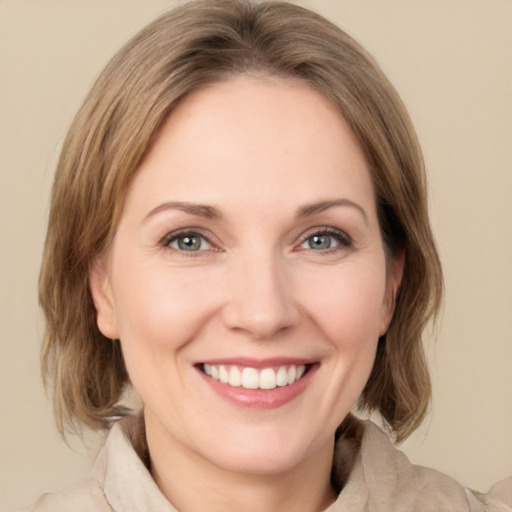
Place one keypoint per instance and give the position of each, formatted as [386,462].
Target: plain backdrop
[451,62]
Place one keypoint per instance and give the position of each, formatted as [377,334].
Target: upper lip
[256,363]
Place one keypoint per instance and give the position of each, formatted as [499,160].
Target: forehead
[260,137]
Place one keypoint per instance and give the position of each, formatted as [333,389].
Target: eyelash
[187,233]
[342,240]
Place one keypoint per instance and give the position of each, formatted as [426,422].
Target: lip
[259,398]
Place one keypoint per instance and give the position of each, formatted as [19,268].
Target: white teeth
[250,378]
[292,373]
[223,375]
[268,379]
[282,377]
[235,377]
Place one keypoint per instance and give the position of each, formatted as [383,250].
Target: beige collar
[372,475]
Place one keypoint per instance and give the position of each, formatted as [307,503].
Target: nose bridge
[261,300]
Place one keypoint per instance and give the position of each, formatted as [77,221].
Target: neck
[190,482]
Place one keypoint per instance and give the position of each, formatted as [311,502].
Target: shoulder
[407,486]
[499,498]
[84,497]
[119,480]
[382,478]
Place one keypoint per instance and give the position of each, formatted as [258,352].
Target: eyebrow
[210,212]
[314,208]
[201,210]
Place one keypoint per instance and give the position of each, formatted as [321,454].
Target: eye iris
[189,243]
[320,242]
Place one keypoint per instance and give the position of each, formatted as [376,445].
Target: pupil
[320,242]
[189,243]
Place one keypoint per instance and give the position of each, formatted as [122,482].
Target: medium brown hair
[187,48]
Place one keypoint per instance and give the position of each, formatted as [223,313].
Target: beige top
[373,474]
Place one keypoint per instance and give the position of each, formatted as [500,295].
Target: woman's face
[247,279]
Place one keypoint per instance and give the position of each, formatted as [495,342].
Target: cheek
[158,314]
[160,310]
[347,305]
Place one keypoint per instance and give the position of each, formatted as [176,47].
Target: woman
[239,230]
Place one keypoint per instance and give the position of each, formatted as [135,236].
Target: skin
[259,151]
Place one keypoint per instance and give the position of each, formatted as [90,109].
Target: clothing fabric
[372,475]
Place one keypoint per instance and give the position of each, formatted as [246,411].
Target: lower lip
[260,398]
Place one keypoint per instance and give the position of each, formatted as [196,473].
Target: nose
[261,299]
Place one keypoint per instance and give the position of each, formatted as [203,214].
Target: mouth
[258,384]
[250,378]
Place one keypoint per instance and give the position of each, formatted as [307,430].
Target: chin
[263,463]
[263,453]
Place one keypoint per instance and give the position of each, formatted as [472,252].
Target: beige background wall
[450,60]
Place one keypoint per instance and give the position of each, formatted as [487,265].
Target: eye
[325,240]
[189,242]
